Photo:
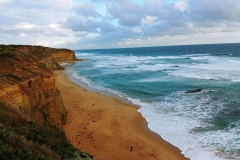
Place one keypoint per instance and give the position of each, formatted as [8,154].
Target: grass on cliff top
[21,139]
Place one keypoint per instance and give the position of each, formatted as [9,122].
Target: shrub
[10,116]
[23,140]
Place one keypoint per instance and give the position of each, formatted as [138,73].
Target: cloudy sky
[83,24]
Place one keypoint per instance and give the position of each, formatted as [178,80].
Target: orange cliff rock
[27,81]
[64,55]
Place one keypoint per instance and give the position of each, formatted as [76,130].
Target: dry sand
[106,127]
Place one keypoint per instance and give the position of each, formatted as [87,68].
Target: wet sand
[106,127]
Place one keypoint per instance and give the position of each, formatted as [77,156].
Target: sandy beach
[106,127]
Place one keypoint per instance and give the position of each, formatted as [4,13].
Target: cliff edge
[28,92]
[27,82]
[63,55]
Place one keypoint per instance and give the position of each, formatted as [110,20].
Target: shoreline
[106,127]
[101,92]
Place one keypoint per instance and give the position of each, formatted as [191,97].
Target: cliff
[27,83]
[32,112]
[63,55]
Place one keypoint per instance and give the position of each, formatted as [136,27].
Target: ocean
[204,124]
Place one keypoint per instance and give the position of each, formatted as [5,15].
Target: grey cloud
[34,12]
[106,26]
[57,4]
[76,23]
[224,18]
[207,11]
[205,16]
[125,12]
[130,14]
[86,10]
[201,16]
[155,7]
[109,37]
[30,29]
[166,13]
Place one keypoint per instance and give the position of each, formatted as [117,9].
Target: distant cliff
[63,55]
[32,112]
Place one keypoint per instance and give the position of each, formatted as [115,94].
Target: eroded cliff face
[64,55]
[27,82]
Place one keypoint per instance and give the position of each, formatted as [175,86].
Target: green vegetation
[21,139]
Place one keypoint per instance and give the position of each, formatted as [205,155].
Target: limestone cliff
[63,55]
[27,81]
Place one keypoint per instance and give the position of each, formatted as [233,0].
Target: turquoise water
[204,125]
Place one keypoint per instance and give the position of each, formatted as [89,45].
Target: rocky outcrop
[64,55]
[194,90]
[27,81]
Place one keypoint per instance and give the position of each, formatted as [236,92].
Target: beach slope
[107,127]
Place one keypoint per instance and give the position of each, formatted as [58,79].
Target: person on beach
[131,148]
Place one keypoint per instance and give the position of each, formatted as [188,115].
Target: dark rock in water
[194,90]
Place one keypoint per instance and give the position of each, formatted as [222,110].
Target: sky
[90,24]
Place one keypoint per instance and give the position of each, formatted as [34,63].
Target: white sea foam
[223,64]
[212,68]
[235,80]
[64,64]
[88,84]
[152,79]
[80,55]
[176,127]
[208,67]
[155,67]
[206,74]
[81,78]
